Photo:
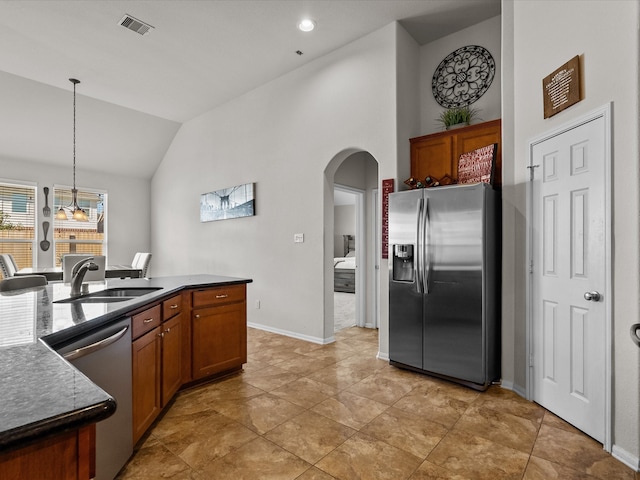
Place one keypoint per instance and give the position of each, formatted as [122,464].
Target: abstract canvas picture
[232,202]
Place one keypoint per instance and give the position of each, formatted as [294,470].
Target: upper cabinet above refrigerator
[437,154]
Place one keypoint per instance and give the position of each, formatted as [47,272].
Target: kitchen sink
[111,295]
[124,292]
[87,299]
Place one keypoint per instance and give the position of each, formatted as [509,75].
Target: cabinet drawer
[219,295]
[145,321]
[171,307]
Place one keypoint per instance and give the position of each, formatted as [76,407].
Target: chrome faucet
[77,275]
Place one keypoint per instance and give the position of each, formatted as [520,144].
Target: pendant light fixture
[77,213]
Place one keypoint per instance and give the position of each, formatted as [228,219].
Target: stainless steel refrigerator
[444,282]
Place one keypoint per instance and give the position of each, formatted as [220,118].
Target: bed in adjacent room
[344,268]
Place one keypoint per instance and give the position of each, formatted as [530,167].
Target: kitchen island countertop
[40,392]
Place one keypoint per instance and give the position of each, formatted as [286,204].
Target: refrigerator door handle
[418,252]
[426,260]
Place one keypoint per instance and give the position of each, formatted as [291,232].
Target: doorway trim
[360,277]
[604,112]
[377,256]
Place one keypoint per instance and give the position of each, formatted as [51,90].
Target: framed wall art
[232,202]
[463,76]
[387,188]
[478,165]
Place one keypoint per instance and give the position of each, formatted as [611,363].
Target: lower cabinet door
[219,339]
[146,378]
[171,357]
[66,456]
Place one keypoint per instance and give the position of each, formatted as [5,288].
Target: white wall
[485,34]
[36,125]
[546,34]
[128,215]
[288,136]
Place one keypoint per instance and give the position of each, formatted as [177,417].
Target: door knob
[592,296]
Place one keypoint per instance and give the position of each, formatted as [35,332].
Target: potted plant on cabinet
[457,117]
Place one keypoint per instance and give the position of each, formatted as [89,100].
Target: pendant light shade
[77,213]
[61,214]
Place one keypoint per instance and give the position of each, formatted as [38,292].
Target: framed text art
[561,88]
[387,188]
[478,165]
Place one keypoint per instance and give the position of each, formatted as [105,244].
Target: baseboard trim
[514,388]
[625,457]
[287,333]
[382,356]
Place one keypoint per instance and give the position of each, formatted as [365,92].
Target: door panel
[568,260]
[453,306]
[405,299]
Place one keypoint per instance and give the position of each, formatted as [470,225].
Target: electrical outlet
[257,304]
[298,237]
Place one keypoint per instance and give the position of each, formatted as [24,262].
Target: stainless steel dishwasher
[105,357]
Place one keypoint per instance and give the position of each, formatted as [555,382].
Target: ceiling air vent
[136,25]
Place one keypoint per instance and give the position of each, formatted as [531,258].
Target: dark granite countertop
[40,392]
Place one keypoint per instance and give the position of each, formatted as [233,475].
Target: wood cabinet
[219,331]
[156,356]
[145,321]
[171,348]
[163,344]
[437,155]
[146,378]
[67,456]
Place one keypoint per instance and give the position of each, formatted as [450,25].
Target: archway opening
[356,172]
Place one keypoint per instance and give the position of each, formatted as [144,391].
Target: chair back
[141,260]
[69,261]
[8,265]
[25,281]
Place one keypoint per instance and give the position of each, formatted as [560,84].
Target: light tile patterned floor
[310,412]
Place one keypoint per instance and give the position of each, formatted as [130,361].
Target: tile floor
[310,412]
[344,310]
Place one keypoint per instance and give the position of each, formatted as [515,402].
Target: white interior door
[569,276]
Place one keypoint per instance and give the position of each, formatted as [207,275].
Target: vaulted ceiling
[136,90]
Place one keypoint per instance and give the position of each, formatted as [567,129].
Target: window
[17,222]
[71,236]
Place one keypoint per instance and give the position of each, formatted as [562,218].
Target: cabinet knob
[174,306]
[197,315]
[161,334]
[167,330]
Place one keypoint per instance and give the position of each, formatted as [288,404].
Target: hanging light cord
[74,134]
[75,82]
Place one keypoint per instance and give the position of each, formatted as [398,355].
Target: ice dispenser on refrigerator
[403,263]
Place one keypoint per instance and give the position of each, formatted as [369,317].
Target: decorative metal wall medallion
[463,76]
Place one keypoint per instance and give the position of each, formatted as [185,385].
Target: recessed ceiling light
[306,25]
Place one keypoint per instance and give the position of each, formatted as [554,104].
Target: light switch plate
[298,237]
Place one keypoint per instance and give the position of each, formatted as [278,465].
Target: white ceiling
[201,53]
